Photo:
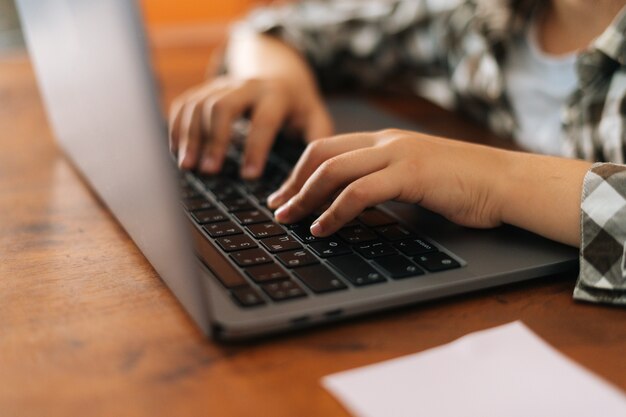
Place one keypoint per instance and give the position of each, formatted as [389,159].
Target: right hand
[201,120]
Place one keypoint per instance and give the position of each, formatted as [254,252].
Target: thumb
[318,124]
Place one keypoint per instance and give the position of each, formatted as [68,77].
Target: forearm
[251,55]
[543,194]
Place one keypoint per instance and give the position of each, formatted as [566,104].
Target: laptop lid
[90,55]
[91,64]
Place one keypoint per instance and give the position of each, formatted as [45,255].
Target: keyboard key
[183,183]
[297,258]
[262,194]
[326,248]
[267,272]
[283,290]
[189,192]
[262,230]
[414,247]
[319,278]
[320,210]
[216,262]
[236,242]
[273,173]
[397,266]
[251,217]
[280,243]
[213,182]
[306,221]
[222,229]
[356,270]
[251,257]
[260,189]
[237,204]
[198,203]
[302,232]
[230,168]
[356,234]
[393,232]
[228,192]
[437,261]
[376,249]
[254,185]
[376,217]
[209,216]
[247,296]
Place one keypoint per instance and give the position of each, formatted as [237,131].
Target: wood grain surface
[88,329]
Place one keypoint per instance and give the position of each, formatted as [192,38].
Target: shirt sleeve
[602,277]
[361,43]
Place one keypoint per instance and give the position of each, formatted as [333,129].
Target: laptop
[236,271]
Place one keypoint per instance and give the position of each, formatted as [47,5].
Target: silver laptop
[237,272]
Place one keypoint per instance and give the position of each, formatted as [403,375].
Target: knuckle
[356,194]
[390,132]
[191,106]
[396,142]
[220,106]
[307,155]
[297,203]
[267,84]
[392,137]
[401,144]
[328,168]
[313,148]
[250,83]
[267,121]
[176,106]
[289,188]
[214,83]
[317,149]
[332,216]
[198,107]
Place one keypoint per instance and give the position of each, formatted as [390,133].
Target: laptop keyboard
[274,263]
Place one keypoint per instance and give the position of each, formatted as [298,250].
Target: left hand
[461,181]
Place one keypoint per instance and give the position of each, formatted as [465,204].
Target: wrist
[254,55]
[543,194]
[512,185]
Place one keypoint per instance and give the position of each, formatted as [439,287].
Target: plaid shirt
[374,43]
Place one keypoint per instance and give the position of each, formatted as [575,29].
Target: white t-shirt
[538,86]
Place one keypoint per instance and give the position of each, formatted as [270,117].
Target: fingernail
[208,164]
[250,171]
[317,229]
[282,214]
[185,161]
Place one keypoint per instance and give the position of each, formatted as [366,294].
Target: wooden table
[88,328]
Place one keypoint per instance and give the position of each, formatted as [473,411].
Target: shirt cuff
[602,277]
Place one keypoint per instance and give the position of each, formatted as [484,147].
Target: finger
[367,191]
[174,125]
[219,114]
[179,121]
[319,125]
[175,117]
[314,155]
[332,175]
[267,118]
[190,132]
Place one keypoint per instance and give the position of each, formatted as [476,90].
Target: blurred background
[178,22]
[10,35]
[170,13]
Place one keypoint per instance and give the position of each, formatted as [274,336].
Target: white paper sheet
[507,371]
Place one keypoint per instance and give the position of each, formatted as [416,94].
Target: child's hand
[201,120]
[461,181]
